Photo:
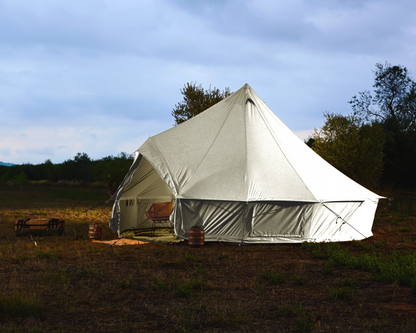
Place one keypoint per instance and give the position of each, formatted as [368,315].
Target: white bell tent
[240,173]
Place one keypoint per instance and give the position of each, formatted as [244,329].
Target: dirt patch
[404,308]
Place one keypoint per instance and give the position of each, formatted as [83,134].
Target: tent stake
[34,242]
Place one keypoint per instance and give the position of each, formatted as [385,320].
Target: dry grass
[81,286]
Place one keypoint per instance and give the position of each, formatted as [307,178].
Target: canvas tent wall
[240,173]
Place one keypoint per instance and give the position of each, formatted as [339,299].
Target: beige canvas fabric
[239,154]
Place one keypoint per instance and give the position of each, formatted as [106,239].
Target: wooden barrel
[196,237]
[96,231]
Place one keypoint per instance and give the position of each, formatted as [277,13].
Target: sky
[101,76]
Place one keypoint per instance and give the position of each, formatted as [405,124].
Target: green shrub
[414,286]
[273,277]
[340,293]
[186,289]
[362,245]
[89,272]
[328,269]
[289,310]
[306,322]
[185,321]
[348,282]
[189,257]
[258,288]
[400,268]
[64,277]
[124,283]
[20,258]
[46,255]
[159,284]
[299,280]
[201,270]
[321,250]
[21,305]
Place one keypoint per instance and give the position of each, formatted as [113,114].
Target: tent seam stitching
[268,128]
[208,150]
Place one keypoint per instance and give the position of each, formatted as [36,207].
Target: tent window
[276,220]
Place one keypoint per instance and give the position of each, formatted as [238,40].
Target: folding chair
[159,213]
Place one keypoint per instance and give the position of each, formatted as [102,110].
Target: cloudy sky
[101,76]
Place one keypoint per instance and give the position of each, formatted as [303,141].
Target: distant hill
[6,164]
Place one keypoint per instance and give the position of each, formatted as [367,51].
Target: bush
[186,289]
[306,322]
[340,293]
[159,284]
[299,280]
[45,255]
[189,257]
[393,268]
[321,250]
[273,277]
[20,305]
[328,269]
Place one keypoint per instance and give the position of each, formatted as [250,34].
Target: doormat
[120,241]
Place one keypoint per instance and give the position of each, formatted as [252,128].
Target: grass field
[70,284]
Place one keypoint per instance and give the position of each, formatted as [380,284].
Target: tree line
[375,145]
[110,170]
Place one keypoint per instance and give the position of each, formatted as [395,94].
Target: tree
[353,148]
[371,154]
[394,106]
[112,170]
[79,169]
[394,98]
[21,179]
[48,171]
[196,100]
[4,178]
[309,141]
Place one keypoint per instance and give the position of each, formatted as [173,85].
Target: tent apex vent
[250,100]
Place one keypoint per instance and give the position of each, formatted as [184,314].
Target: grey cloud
[96,63]
[204,32]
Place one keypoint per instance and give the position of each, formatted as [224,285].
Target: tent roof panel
[240,150]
